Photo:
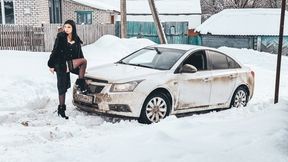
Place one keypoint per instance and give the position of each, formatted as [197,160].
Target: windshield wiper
[121,62]
[157,50]
[142,65]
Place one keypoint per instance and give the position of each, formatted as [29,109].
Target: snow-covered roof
[163,6]
[244,22]
[96,4]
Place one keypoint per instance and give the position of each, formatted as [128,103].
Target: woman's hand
[52,70]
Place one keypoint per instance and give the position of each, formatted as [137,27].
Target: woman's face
[68,29]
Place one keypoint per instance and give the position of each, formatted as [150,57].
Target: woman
[66,57]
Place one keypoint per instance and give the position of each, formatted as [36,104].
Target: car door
[223,77]
[194,88]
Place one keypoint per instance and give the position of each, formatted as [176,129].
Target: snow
[163,6]
[169,11]
[97,4]
[246,21]
[31,131]
[142,6]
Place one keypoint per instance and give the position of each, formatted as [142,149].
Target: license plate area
[84,98]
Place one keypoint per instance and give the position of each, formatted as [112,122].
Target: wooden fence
[29,38]
[18,37]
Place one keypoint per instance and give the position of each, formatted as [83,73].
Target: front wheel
[155,108]
[240,98]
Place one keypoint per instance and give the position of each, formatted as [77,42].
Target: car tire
[156,107]
[240,98]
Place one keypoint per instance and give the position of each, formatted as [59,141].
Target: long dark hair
[75,36]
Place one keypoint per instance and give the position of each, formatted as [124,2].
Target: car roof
[185,47]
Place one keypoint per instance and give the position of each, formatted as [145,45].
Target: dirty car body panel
[124,88]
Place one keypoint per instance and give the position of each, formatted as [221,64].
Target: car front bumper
[126,104]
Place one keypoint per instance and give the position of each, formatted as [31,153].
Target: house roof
[244,22]
[163,6]
[96,4]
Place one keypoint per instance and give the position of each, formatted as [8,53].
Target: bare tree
[245,3]
[274,3]
[210,7]
[123,19]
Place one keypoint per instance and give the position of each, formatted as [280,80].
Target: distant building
[168,10]
[244,28]
[179,18]
[37,12]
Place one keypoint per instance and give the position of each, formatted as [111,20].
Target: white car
[162,80]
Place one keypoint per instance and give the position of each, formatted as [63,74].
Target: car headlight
[125,87]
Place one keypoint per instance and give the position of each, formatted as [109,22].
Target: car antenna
[157,50]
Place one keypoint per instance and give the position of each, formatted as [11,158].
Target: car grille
[88,106]
[119,107]
[97,80]
[95,88]
[95,85]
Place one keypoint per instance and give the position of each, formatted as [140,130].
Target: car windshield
[156,58]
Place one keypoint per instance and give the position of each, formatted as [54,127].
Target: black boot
[81,84]
[61,111]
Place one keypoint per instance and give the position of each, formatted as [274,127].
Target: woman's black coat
[59,54]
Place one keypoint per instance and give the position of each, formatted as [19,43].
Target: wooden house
[256,28]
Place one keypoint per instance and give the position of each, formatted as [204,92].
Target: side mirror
[187,68]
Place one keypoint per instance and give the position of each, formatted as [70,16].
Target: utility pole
[161,34]
[123,24]
[2,12]
[279,51]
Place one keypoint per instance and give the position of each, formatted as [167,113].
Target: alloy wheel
[156,109]
[240,99]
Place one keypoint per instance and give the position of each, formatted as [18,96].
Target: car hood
[120,72]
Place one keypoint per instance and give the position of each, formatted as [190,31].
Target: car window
[232,64]
[145,57]
[218,60]
[158,58]
[197,59]
[221,61]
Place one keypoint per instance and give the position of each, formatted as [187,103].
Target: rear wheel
[240,98]
[155,108]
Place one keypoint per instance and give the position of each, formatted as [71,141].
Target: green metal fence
[270,44]
[176,32]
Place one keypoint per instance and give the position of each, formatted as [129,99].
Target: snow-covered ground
[30,131]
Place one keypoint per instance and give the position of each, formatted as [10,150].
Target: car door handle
[206,79]
[232,76]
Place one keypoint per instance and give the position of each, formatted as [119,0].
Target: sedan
[170,79]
